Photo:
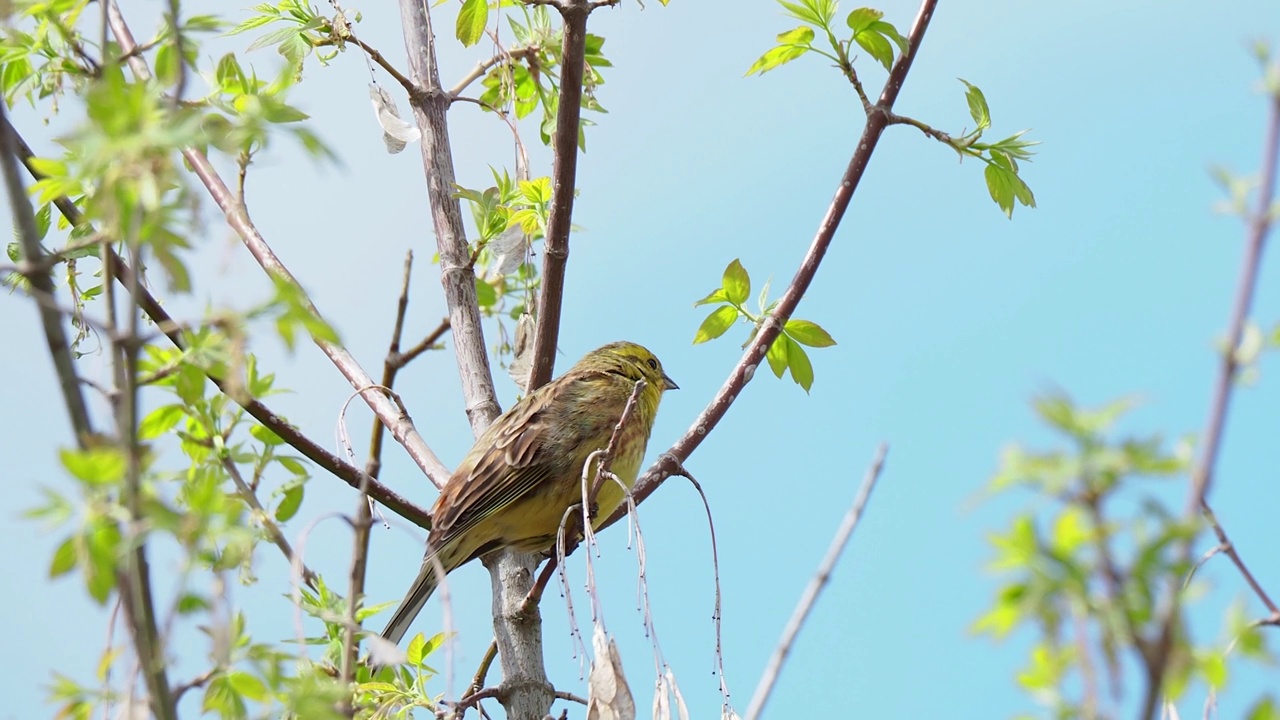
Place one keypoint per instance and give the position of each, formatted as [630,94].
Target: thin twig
[1229,549]
[562,695]
[364,516]
[754,356]
[816,585]
[487,64]
[431,341]
[555,253]
[51,321]
[1259,227]
[273,531]
[237,217]
[134,575]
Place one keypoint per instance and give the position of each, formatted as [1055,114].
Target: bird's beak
[668,383]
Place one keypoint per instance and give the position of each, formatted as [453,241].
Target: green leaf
[1005,186]
[891,32]
[718,296]
[801,368]
[248,686]
[160,421]
[802,35]
[776,57]
[102,541]
[805,13]
[289,505]
[65,558]
[808,333]
[777,355]
[189,384]
[472,19]
[265,435]
[719,321]
[736,283]
[877,46]
[414,652]
[1264,709]
[978,109]
[486,294]
[96,466]
[862,18]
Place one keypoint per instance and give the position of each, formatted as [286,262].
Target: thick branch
[456,272]
[555,253]
[519,636]
[773,323]
[237,217]
[117,268]
[816,585]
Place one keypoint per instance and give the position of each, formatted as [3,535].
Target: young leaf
[472,19]
[809,333]
[777,355]
[719,321]
[862,18]
[801,368]
[718,296]
[802,35]
[876,46]
[736,283]
[978,109]
[776,57]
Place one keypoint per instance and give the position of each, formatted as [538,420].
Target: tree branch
[519,635]
[237,217]
[1259,227]
[50,319]
[816,585]
[116,267]
[487,64]
[555,253]
[742,373]
[268,525]
[456,272]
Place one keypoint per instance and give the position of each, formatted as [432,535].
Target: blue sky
[949,319]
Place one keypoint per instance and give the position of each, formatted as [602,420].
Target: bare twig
[1229,549]
[1251,264]
[1259,228]
[364,517]
[400,359]
[134,574]
[54,333]
[816,584]
[773,323]
[237,217]
[555,253]
[482,67]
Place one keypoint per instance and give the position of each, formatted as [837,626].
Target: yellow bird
[513,488]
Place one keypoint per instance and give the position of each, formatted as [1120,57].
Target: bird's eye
[653,364]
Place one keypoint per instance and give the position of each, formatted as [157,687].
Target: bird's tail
[423,586]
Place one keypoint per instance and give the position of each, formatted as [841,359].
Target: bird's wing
[510,460]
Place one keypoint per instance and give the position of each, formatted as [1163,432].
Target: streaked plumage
[512,488]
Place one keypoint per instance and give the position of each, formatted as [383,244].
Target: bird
[512,489]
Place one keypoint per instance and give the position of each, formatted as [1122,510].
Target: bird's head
[632,361]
